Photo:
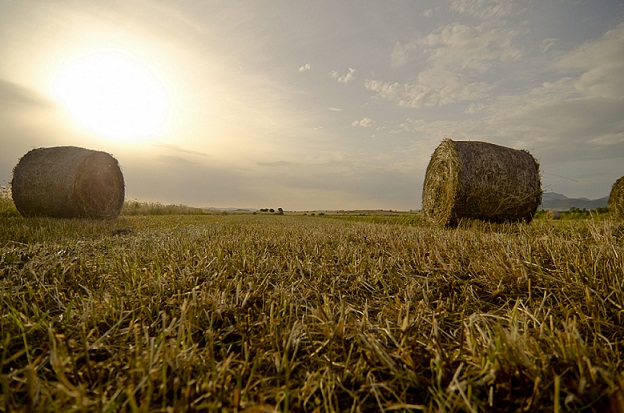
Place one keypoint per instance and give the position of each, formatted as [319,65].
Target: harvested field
[300,313]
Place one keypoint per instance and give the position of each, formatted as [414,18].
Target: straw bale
[553,214]
[616,198]
[68,182]
[480,180]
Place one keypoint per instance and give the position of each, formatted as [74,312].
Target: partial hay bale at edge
[480,180]
[616,198]
[68,182]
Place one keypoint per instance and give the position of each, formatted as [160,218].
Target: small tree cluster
[279,211]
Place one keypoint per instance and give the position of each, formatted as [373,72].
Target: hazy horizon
[313,106]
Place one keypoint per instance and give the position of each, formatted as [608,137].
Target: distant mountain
[558,202]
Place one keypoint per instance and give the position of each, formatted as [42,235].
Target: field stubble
[285,313]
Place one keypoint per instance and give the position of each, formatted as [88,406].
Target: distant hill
[558,202]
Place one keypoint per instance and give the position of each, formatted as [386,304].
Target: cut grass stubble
[305,313]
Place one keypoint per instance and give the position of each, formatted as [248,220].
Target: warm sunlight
[114,96]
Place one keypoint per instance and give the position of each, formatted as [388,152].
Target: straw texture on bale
[616,198]
[480,180]
[68,182]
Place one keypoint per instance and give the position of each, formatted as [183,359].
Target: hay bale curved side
[480,180]
[616,198]
[68,182]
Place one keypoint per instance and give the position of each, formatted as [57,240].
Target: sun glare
[114,96]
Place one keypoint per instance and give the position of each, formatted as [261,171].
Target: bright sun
[114,96]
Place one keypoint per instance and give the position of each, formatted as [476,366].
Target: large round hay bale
[480,180]
[616,198]
[68,182]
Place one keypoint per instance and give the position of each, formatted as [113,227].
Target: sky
[309,105]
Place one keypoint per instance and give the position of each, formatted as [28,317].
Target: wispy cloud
[547,44]
[577,115]
[600,65]
[179,149]
[485,9]
[432,88]
[13,95]
[456,59]
[305,67]
[364,123]
[176,160]
[274,164]
[460,48]
[346,78]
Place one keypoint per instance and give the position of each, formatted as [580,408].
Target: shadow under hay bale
[68,182]
[616,199]
[480,180]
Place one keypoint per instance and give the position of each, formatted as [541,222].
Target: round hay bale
[68,182]
[480,180]
[616,198]
[553,214]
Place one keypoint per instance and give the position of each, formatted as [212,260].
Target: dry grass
[68,182]
[480,180]
[285,313]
